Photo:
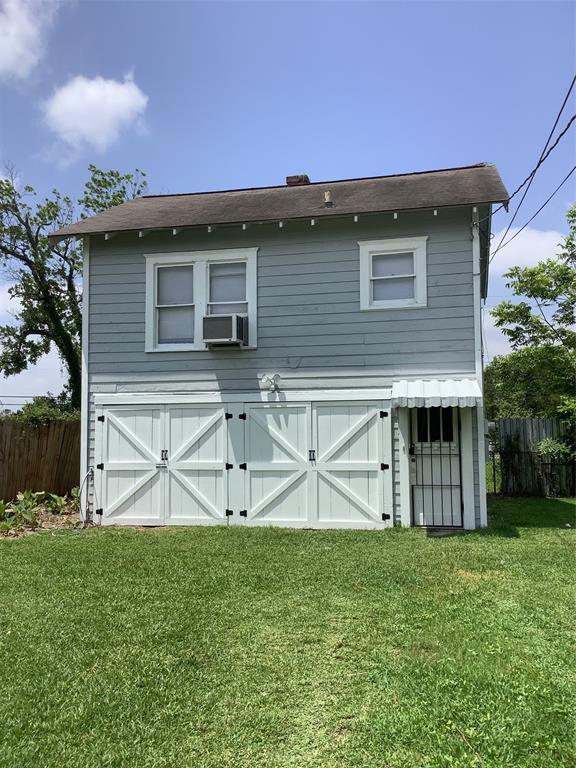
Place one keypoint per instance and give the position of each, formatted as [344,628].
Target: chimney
[297,181]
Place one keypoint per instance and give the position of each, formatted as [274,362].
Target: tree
[550,286]
[534,381]
[46,276]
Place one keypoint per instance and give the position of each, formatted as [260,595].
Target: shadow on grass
[507,515]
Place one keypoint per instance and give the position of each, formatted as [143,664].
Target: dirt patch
[46,521]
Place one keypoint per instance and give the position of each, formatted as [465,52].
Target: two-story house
[303,355]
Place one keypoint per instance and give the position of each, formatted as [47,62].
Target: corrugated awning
[419,393]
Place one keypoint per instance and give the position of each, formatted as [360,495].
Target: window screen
[227,288]
[175,305]
[392,276]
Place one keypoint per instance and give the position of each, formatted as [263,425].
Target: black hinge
[99,466]
[99,511]
[383,414]
[229,512]
[227,415]
[243,465]
[242,416]
[229,466]
[385,516]
[243,513]
[100,418]
[384,466]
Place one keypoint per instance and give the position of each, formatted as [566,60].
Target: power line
[541,159]
[544,204]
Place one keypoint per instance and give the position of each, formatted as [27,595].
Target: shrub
[56,504]
[21,512]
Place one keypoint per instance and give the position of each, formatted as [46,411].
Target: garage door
[298,464]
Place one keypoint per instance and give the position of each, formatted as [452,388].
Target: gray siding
[310,327]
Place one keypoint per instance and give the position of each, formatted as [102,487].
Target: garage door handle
[312,455]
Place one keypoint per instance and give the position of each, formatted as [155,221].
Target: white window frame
[200,261]
[371,248]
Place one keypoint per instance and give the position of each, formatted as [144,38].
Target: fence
[518,469]
[39,458]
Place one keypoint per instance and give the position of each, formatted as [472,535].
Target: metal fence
[516,466]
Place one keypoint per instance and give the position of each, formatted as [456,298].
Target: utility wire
[541,159]
[544,204]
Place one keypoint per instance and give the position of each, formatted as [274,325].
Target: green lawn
[264,647]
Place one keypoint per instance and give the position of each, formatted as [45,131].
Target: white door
[162,465]
[353,478]
[320,465]
[277,438]
[197,456]
[130,474]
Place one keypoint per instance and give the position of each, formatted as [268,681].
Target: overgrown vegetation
[26,511]
[269,648]
[45,409]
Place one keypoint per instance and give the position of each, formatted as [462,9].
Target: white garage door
[298,464]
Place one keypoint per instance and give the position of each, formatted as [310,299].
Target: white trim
[85,393]
[404,466]
[479,363]
[199,260]
[278,398]
[467,457]
[370,248]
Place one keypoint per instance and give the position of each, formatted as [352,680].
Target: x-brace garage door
[161,464]
[322,465]
[295,464]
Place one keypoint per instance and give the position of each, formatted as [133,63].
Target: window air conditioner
[222,330]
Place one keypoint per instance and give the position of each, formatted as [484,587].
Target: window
[227,288]
[182,288]
[393,273]
[434,425]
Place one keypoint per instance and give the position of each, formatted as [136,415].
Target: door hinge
[229,512]
[229,466]
[227,415]
[99,466]
[384,466]
[243,513]
[100,418]
[385,516]
[383,414]
[243,465]
[99,511]
[242,416]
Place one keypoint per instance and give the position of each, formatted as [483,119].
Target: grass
[253,648]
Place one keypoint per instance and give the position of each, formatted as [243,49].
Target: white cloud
[23,28]
[530,247]
[93,112]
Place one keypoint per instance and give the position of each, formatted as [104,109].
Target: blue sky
[230,94]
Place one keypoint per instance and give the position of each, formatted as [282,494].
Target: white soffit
[419,393]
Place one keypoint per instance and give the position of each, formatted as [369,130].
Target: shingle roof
[469,185]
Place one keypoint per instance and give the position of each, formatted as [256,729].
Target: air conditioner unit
[223,330]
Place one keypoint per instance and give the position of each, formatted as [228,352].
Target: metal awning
[464,393]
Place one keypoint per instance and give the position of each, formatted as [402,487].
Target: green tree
[535,381]
[549,315]
[46,276]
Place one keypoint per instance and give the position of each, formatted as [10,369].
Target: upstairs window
[227,288]
[393,273]
[175,305]
[181,288]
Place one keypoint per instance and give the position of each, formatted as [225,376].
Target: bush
[43,410]
[23,512]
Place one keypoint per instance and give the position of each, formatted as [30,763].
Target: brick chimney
[297,181]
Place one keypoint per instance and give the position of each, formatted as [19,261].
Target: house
[304,355]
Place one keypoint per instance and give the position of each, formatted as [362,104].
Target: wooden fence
[43,458]
[524,471]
